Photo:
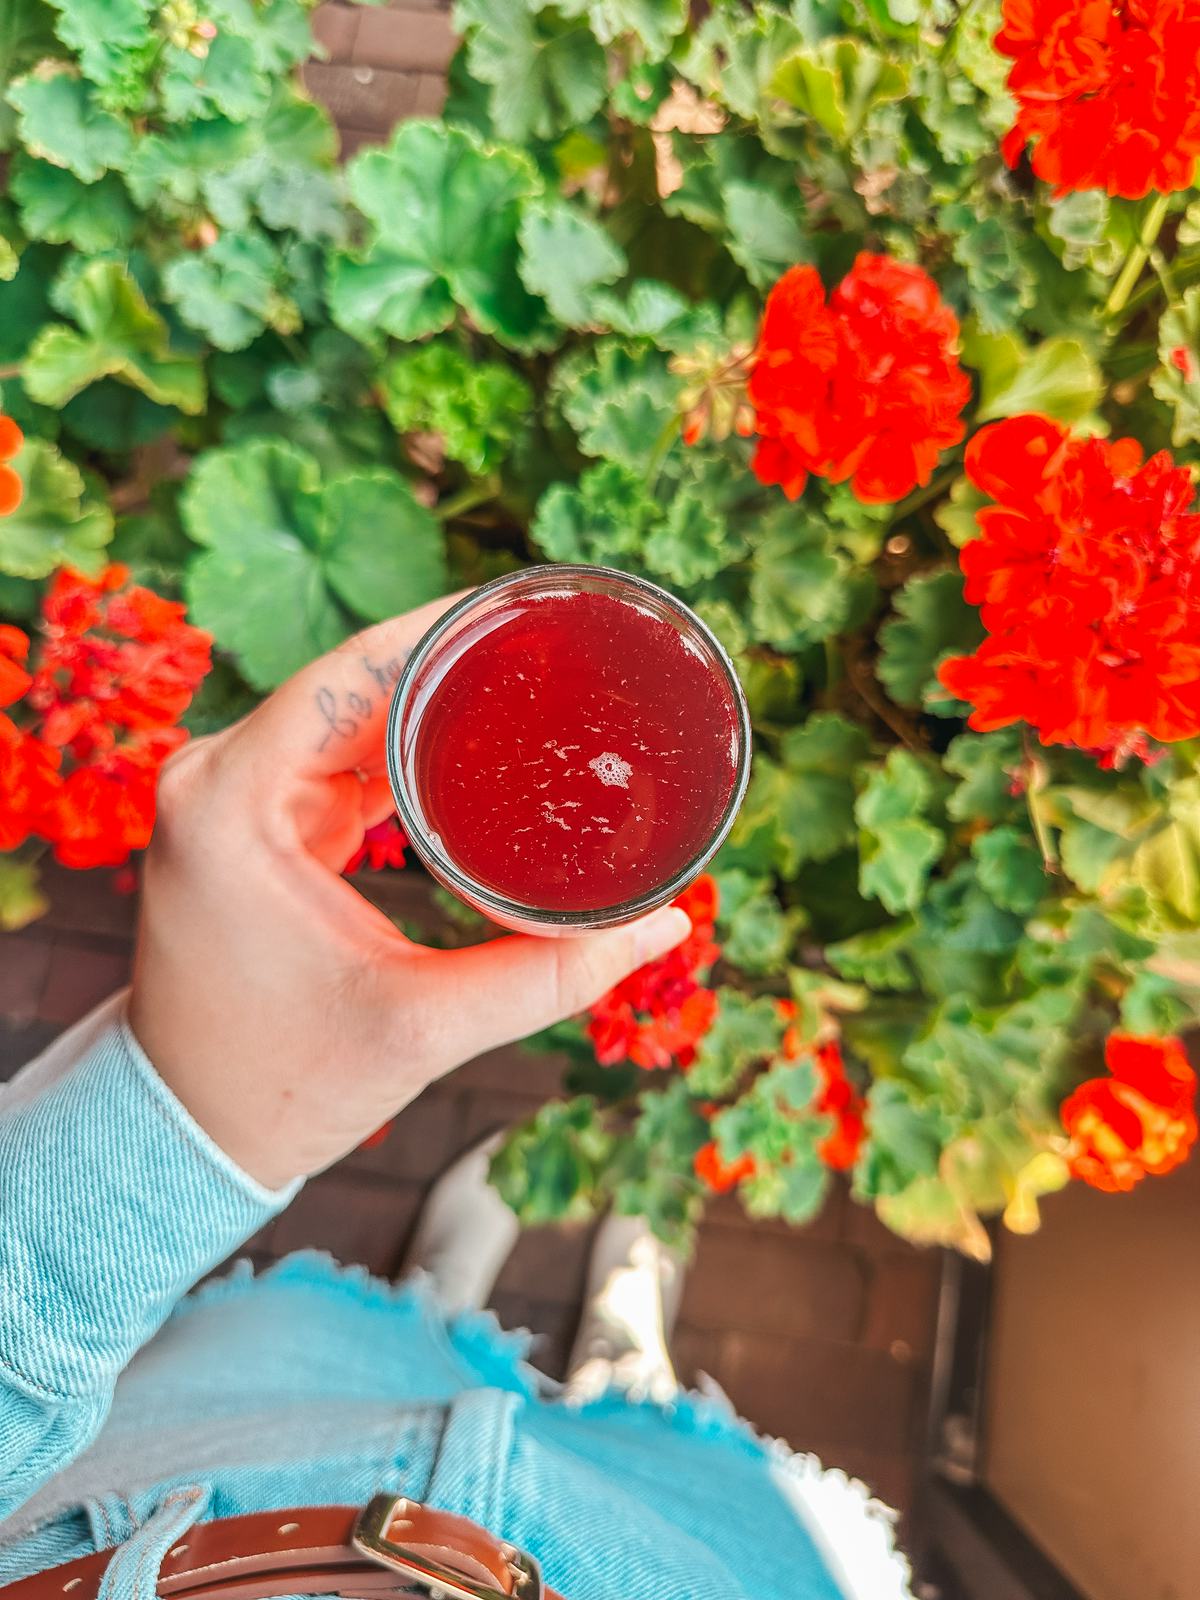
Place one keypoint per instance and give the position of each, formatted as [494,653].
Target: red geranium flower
[867,387]
[14,653]
[1087,575]
[657,1015]
[836,1096]
[383,846]
[28,781]
[1107,91]
[114,669]
[721,1176]
[11,487]
[1140,1120]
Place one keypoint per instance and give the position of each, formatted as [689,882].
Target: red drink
[574,748]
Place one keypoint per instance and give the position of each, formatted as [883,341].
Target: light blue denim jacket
[313,1384]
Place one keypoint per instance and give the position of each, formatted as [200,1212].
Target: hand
[288,1014]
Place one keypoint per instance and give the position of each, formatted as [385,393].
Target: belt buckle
[370,1539]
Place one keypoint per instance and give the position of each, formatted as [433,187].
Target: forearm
[113,1202]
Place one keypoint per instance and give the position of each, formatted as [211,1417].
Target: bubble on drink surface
[611,770]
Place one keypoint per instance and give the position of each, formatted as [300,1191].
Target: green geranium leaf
[982,1061]
[774,1124]
[26,37]
[805,801]
[176,165]
[287,559]
[60,122]
[603,521]
[799,586]
[1058,377]
[121,337]
[653,23]
[899,848]
[933,1212]
[551,1168]
[21,897]
[545,73]
[383,549]
[733,56]
[285,176]
[57,207]
[1153,1005]
[745,1030]
[932,621]
[477,408]
[907,1134]
[655,311]
[57,523]
[838,83]
[988,246]
[106,35]
[750,201]
[760,934]
[619,400]
[694,542]
[25,300]
[795,1191]
[878,958]
[111,416]
[231,290]
[987,764]
[445,212]
[1177,380]
[565,257]
[653,1169]
[225,82]
[956,516]
[1011,869]
[1167,863]
[277,31]
[1079,219]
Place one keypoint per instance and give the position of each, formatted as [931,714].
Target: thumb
[516,986]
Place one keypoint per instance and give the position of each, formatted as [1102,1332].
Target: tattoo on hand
[344,714]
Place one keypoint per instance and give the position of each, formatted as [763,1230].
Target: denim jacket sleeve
[113,1202]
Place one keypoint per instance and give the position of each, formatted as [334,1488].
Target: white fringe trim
[855,1533]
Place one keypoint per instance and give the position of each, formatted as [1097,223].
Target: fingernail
[660,932]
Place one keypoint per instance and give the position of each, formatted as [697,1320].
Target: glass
[490,748]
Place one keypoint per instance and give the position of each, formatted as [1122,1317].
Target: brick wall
[382,63]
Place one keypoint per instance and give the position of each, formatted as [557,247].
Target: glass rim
[490,900]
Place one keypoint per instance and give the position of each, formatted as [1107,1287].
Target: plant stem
[922,497]
[1036,782]
[12,371]
[473,494]
[1152,223]
[662,449]
[1162,271]
[1185,270]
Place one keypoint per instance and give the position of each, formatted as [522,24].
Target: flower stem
[662,449]
[1162,271]
[1152,223]
[922,497]
[1035,783]
[473,494]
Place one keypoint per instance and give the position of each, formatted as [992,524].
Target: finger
[330,717]
[493,993]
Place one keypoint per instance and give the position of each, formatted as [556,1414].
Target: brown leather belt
[394,1547]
